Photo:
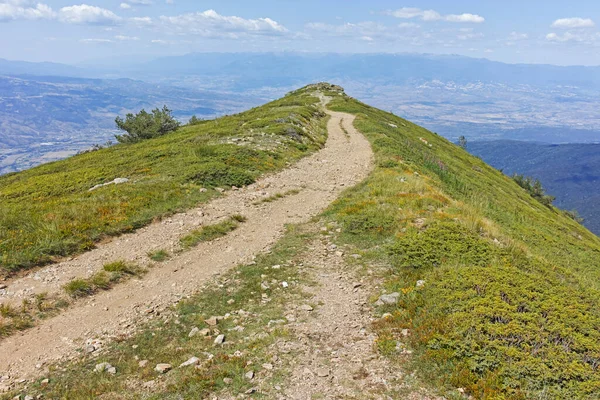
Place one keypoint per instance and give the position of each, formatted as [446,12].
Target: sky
[524,31]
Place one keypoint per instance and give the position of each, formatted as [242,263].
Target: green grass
[159,255]
[510,308]
[211,232]
[277,196]
[47,212]
[110,275]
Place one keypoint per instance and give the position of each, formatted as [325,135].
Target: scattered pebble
[163,368]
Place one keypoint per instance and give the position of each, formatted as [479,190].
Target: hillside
[473,287]
[570,172]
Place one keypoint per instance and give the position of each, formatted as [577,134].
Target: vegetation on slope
[509,306]
[48,211]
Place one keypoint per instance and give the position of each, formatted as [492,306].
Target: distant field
[48,212]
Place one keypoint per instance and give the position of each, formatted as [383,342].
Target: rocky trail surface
[345,160]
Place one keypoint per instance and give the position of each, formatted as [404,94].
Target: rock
[45,382]
[305,307]
[116,181]
[389,298]
[227,381]
[191,361]
[203,190]
[220,190]
[143,363]
[149,385]
[163,368]
[405,332]
[268,366]
[249,375]
[212,321]
[3,286]
[103,367]
[204,332]
[251,390]
[112,370]
[322,372]
[220,339]
[420,283]
[386,315]
[230,301]
[284,284]
[193,332]
[28,397]
[273,267]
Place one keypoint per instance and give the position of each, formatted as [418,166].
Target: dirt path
[345,160]
[334,347]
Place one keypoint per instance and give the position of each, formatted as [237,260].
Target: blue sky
[524,31]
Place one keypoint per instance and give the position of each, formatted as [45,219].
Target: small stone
[220,339]
[389,298]
[149,384]
[405,332]
[305,307]
[249,375]
[461,390]
[268,366]
[276,267]
[212,321]
[3,286]
[143,363]
[45,382]
[163,368]
[251,390]
[112,370]
[28,397]
[203,190]
[386,315]
[230,301]
[227,381]
[204,332]
[191,361]
[420,283]
[284,284]
[102,367]
[322,372]
[193,332]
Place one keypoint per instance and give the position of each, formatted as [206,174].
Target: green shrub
[220,174]
[534,188]
[144,125]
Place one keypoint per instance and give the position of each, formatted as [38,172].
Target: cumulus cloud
[123,38]
[431,15]
[515,36]
[20,9]
[125,6]
[212,24]
[88,15]
[571,23]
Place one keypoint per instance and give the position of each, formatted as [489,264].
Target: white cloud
[126,38]
[100,41]
[18,9]
[431,15]
[515,36]
[141,2]
[212,24]
[571,23]
[141,21]
[577,37]
[88,15]
[125,6]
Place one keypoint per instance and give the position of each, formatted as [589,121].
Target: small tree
[195,120]
[144,125]
[462,142]
[535,189]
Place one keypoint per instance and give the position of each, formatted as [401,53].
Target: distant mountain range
[571,172]
[72,107]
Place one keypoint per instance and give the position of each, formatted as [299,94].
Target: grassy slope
[510,307]
[48,211]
